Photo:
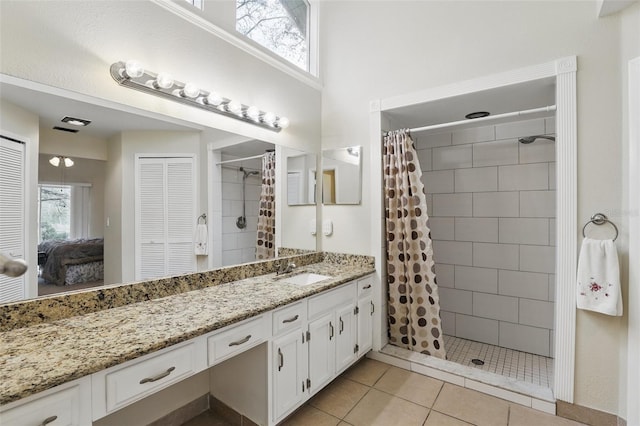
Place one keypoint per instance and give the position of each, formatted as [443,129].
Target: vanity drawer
[129,384]
[289,317]
[236,339]
[331,299]
[365,284]
[54,407]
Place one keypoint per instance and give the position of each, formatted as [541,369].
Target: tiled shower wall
[491,202]
[239,245]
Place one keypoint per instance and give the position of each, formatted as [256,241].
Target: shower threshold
[477,377]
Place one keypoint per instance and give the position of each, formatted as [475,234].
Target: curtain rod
[490,117]
[240,159]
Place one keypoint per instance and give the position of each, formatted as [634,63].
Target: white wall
[410,46]
[78,144]
[23,125]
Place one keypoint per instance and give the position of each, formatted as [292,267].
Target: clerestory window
[279,25]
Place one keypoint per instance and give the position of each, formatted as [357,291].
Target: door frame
[564,71]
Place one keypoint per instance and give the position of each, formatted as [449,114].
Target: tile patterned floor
[372,393]
[521,366]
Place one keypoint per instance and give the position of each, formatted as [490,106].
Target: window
[279,25]
[64,211]
[55,212]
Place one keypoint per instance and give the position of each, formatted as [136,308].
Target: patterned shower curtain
[414,304]
[266,236]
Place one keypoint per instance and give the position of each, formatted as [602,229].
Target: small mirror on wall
[342,175]
[301,179]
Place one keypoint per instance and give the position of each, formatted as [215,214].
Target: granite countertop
[41,356]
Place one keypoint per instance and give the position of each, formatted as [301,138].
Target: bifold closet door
[165,217]
[12,211]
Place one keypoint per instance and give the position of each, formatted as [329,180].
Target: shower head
[530,139]
[247,173]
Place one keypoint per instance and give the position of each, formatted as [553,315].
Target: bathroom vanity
[269,341]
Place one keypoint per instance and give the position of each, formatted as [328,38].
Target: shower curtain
[414,305]
[266,236]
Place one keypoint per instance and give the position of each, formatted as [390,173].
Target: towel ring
[600,219]
[202,217]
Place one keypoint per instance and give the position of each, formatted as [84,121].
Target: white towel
[201,246]
[599,277]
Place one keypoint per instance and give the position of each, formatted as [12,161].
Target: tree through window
[279,25]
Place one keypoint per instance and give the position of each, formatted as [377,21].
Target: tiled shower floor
[521,366]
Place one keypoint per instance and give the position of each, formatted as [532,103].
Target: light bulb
[283,123]
[68,162]
[253,113]
[235,107]
[164,81]
[133,69]
[54,161]
[214,99]
[269,118]
[190,90]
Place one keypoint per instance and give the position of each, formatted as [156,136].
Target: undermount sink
[305,278]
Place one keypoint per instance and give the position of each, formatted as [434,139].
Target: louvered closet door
[12,235]
[165,217]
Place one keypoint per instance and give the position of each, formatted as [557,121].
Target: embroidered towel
[201,247]
[599,277]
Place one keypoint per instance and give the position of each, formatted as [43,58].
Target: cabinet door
[321,351]
[289,373]
[345,337]
[366,310]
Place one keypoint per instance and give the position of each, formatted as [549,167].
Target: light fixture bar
[132,75]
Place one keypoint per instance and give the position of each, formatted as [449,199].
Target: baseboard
[227,413]
[184,413]
[587,415]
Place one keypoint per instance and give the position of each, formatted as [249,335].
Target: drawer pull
[341,325]
[158,377]
[292,319]
[241,341]
[373,308]
[330,331]
[280,359]
[49,420]
[366,286]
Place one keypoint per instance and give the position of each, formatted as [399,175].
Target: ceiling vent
[64,129]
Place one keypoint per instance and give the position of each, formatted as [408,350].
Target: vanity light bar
[130,74]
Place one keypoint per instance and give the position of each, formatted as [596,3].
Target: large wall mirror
[342,175]
[113,196]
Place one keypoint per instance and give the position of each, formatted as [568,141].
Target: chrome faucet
[12,267]
[285,267]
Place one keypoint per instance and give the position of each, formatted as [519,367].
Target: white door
[345,337]
[366,310]
[165,217]
[12,211]
[322,353]
[289,378]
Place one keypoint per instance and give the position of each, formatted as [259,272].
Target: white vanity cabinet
[119,386]
[65,405]
[332,334]
[290,358]
[366,310]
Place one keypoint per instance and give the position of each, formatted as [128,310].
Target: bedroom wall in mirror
[143,198]
[342,175]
